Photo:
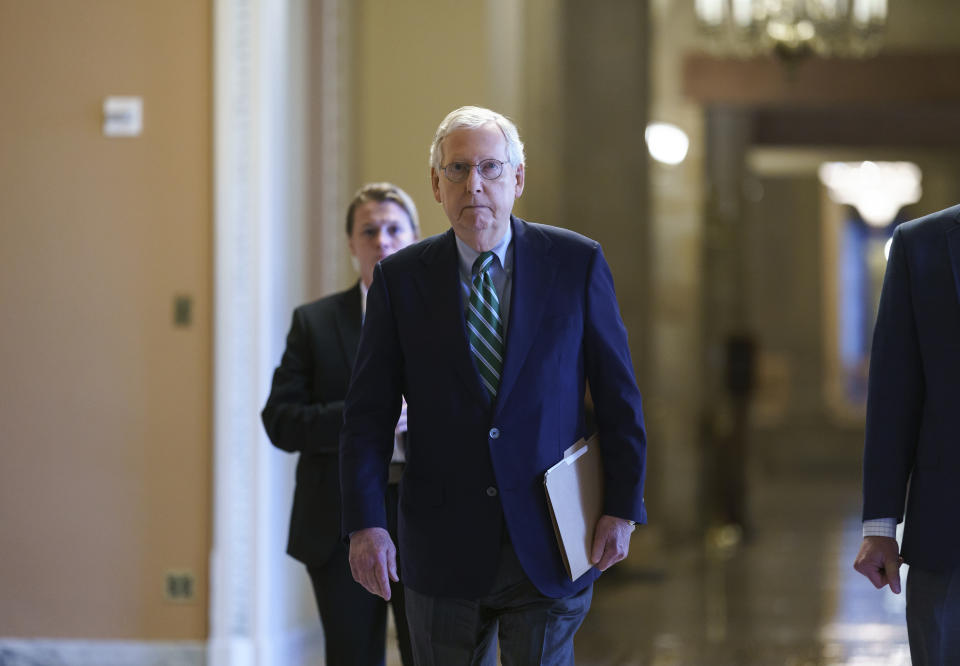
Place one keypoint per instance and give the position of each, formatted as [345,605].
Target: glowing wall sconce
[667,143]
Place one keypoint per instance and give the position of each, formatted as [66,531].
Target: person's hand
[611,541]
[879,560]
[402,421]
[373,558]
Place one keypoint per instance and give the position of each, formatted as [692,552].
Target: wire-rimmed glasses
[457,172]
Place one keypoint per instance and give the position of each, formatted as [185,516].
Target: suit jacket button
[494,433]
[491,491]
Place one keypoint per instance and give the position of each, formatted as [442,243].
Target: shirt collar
[468,255]
[363,299]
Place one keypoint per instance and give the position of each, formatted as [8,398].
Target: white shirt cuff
[885,527]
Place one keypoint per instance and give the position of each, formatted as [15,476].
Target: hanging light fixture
[793,29]
[878,190]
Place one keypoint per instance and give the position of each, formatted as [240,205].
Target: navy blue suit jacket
[473,466]
[913,404]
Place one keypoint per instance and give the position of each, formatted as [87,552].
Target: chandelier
[793,29]
[878,190]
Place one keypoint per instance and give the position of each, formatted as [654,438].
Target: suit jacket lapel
[953,245]
[534,271]
[439,286]
[349,318]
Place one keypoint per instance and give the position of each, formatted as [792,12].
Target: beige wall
[104,404]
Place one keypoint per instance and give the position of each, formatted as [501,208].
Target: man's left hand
[373,560]
[611,541]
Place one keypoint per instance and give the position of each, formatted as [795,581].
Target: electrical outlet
[180,586]
[182,310]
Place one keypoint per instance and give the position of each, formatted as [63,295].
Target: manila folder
[575,496]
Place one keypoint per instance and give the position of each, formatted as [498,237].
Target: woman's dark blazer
[305,411]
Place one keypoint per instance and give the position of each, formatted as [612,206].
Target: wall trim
[55,652]
[257,593]
[298,647]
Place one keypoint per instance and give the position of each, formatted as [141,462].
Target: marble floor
[785,596]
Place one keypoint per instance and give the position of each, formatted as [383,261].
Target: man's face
[478,209]
[380,228]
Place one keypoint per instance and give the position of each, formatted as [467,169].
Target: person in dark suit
[491,332]
[911,457]
[304,413]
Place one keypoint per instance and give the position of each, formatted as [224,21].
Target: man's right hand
[879,560]
[373,558]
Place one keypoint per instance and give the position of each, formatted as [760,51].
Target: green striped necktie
[484,326]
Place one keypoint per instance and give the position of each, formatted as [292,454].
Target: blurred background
[173,181]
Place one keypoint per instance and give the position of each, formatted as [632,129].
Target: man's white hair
[472,117]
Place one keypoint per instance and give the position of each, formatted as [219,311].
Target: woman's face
[380,228]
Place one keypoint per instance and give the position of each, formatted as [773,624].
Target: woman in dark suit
[304,413]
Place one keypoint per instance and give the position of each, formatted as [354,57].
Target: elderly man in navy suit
[911,456]
[492,332]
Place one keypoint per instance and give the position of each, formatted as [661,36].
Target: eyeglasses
[457,172]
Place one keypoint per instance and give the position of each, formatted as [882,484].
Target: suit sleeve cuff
[885,527]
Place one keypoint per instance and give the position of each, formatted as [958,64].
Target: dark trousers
[355,621]
[532,628]
[933,617]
